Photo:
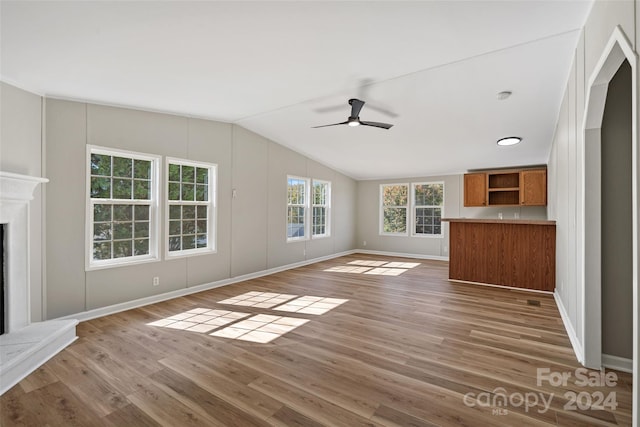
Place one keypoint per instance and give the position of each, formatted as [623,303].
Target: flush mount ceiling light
[510,140]
[504,95]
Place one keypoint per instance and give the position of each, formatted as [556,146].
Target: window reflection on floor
[199,320]
[368,263]
[311,305]
[260,328]
[258,299]
[348,269]
[381,268]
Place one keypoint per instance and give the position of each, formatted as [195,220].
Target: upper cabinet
[521,187]
[475,189]
[533,187]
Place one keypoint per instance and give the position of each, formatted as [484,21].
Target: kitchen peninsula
[518,253]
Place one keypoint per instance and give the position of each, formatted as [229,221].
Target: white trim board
[618,363]
[401,254]
[573,337]
[491,285]
[128,305]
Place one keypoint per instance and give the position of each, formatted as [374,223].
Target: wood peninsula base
[515,253]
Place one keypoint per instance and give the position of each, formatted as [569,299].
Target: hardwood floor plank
[39,378]
[52,405]
[83,381]
[287,417]
[394,418]
[168,411]
[254,403]
[408,350]
[310,405]
[200,400]
[129,416]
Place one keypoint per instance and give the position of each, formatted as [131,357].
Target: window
[122,207]
[308,208]
[297,189]
[320,211]
[190,207]
[394,203]
[428,202]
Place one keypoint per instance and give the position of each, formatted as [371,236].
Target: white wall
[566,171]
[251,231]
[21,152]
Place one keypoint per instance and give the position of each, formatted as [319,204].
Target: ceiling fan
[354,118]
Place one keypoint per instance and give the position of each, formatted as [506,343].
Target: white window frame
[211,203]
[414,207]
[305,206]
[382,208]
[326,205]
[90,263]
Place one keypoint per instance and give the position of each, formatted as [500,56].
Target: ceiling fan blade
[329,109]
[356,106]
[334,124]
[376,124]
[384,111]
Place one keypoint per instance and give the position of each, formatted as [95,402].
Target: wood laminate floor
[348,342]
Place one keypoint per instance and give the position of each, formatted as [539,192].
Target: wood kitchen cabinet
[516,187]
[533,187]
[475,189]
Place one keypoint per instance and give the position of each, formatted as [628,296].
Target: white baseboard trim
[128,305]
[400,254]
[491,285]
[573,337]
[618,363]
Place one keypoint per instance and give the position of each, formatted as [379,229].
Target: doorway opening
[609,222]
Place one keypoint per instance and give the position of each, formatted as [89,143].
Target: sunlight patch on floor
[380,268]
[258,299]
[348,269]
[199,320]
[262,328]
[311,305]
[368,263]
[384,271]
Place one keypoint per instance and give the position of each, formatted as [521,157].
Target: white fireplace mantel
[16,191]
[25,345]
[16,187]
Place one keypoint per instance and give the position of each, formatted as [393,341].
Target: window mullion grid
[196,204]
[112,222]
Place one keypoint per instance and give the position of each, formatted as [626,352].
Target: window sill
[112,264]
[190,253]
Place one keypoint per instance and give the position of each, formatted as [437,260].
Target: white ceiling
[278,68]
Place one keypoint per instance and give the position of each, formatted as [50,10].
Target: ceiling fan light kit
[354,118]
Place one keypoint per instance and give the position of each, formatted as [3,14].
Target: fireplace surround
[24,346]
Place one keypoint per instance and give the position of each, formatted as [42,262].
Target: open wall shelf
[515,187]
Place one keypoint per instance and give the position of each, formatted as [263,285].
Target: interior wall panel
[66,139]
[249,202]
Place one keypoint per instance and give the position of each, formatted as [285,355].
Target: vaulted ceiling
[432,68]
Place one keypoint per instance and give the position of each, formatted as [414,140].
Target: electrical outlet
[364,243]
[156,281]
[445,248]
